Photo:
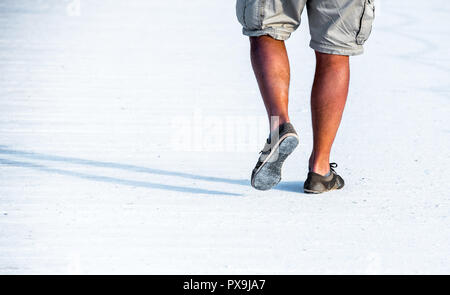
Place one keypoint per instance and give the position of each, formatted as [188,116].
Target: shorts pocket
[241,5]
[366,22]
[249,13]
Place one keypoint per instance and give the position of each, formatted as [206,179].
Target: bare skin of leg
[328,97]
[329,93]
[271,67]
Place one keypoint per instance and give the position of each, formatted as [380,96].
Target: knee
[264,39]
[331,60]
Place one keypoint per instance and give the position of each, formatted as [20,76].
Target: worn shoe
[278,147]
[316,183]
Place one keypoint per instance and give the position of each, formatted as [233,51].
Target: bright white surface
[92,181]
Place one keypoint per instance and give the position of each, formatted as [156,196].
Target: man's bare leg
[328,97]
[271,66]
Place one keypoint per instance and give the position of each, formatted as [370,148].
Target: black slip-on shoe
[279,145]
[316,183]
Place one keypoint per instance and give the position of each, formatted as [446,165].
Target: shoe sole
[318,192]
[269,174]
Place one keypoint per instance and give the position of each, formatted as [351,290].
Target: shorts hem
[336,50]
[276,34]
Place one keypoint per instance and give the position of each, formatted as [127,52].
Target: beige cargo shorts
[336,26]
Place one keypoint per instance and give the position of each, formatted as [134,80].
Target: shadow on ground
[291,186]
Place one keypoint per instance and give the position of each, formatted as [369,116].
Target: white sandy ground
[94,178]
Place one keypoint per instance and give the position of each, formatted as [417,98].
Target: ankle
[321,167]
[275,123]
